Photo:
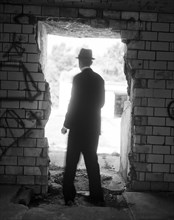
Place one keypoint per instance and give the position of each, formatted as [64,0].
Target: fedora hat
[85,54]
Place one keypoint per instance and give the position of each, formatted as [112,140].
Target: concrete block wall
[25,102]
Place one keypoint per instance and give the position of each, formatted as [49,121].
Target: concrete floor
[140,206]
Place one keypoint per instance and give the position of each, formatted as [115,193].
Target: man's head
[85,57]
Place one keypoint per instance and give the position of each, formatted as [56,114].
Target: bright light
[98,45]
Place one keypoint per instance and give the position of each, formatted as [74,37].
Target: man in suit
[83,119]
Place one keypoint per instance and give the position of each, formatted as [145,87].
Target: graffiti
[25,18]
[13,54]
[19,123]
[170,109]
[16,50]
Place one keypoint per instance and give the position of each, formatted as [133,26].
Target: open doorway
[61,66]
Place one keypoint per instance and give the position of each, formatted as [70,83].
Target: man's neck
[84,67]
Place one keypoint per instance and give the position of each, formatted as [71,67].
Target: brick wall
[25,104]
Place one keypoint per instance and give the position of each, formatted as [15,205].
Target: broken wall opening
[78,31]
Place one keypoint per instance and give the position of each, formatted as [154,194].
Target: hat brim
[89,58]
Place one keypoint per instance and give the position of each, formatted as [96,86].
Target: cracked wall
[148,33]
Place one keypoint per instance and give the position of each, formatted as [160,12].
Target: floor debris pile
[113,197]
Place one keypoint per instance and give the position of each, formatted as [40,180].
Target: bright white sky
[98,45]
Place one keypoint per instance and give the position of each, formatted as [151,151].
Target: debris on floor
[112,184]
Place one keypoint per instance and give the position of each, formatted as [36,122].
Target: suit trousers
[85,143]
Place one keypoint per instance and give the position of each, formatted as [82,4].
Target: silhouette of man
[83,119]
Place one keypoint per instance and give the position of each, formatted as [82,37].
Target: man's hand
[63,130]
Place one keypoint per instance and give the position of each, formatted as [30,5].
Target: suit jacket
[87,99]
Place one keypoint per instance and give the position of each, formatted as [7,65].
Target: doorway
[61,66]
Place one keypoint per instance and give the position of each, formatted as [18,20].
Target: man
[83,119]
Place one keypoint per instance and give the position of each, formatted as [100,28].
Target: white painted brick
[171,27]
[10,104]
[26,161]
[32,67]
[3,75]
[32,171]
[15,132]
[3,94]
[32,9]
[170,66]
[160,168]
[11,85]
[16,94]
[27,29]
[144,74]
[41,180]
[130,15]
[161,112]
[43,142]
[166,17]
[32,152]
[14,151]
[33,58]
[159,121]
[27,142]
[170,84]
[143,148]
[155,140]
[32,38]
[158,65]
[136,45]
[111,14]
[30,48]
[147,55]
[28,105]
[168,177]
[154,158]
[37,77]
[2,169]
[14,9]
[163,74]
[50,11]
[169,37]
[165,56]
[14,170]
[169,158]
[162,93]
[161,131]
[154,177]
[25,180]
[163,46]
[37,133]
[87,13]
[170,140]
[162,27]
[159,186]
[152,36]
[8,160]
[172,168]
[157,149]
[12,28]
[142,167]
[156,84]
[148,16]
[143,111]
[169,121]
[156,102]
[42,161]
[8,179]
[144,130]
[128,34]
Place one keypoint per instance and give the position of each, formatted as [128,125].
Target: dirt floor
[112,184]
